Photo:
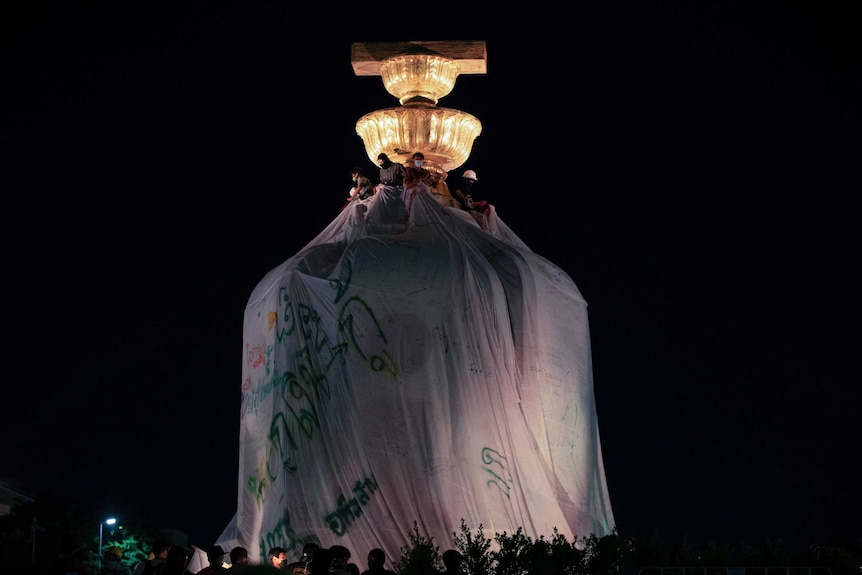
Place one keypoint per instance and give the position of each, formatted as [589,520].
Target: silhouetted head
[160,549]
[215,554]
[177,558]
[320,562]
[238,555]
[376,558]
[308,551]
[452,560]
[340,555]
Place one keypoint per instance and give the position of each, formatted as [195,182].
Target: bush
[475,551]
[421,557]
[515,554]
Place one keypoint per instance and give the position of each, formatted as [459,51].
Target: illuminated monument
[419,74]
[422,371]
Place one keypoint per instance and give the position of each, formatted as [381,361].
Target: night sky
[692,166]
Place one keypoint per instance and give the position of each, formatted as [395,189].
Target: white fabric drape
[407,366]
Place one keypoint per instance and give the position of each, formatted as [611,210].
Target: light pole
[109,521]
[34,527]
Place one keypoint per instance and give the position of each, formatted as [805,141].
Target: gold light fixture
[419,75]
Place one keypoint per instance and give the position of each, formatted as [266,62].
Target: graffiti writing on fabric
[305,387]
[349,510]
[302,393]
[310,329]
[253,398]
[340,285]
[353,310]
[256,487]
[282,535]
[501,477]
[257,355]
[258,483]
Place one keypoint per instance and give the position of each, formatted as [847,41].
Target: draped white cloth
[407,366]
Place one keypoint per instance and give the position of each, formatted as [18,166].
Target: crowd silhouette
[315,560]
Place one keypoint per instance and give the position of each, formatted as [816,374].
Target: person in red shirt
[415,174]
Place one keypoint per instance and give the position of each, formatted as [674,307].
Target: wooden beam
[471,56]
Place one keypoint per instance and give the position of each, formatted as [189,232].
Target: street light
[109,521]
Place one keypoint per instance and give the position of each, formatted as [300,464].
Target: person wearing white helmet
[462,192]
[479,209]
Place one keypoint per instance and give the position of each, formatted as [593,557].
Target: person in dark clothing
[361,192]
[377,563]
[341,564]
[452,562]
[215,556]
[176,562]
[320,562]
[361,189]
[151,565]
[479,209]
[238,557]
[391,174]
[300,567]
[464,188]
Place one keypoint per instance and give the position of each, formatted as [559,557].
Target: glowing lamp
[419,77]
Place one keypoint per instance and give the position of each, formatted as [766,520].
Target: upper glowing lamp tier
[419,74]
[418,77]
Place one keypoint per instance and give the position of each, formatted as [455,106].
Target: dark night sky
[692,166]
